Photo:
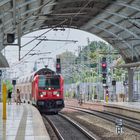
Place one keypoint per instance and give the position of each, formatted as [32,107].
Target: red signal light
[57,66]
[104,69]
[104,65]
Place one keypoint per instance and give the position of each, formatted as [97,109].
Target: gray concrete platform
[128,109]
[129,105]
[23,122]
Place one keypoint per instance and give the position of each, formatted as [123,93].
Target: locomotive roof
[44,71]
[29,77]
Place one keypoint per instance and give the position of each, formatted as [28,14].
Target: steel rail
[85,132]
[75,124]
[129,122]
[59,136]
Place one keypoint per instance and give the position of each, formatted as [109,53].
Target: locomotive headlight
[41,95]
[56,93]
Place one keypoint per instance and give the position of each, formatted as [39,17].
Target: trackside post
[119,125]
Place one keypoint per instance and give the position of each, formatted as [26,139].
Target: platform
[129,105]
[23,122]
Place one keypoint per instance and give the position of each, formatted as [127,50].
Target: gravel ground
[100,127]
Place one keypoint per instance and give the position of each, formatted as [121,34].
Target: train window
[55,83]
[45,83]
[42,82]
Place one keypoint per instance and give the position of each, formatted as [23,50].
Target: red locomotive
[44,89]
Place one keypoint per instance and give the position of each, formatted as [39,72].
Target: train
[44,89]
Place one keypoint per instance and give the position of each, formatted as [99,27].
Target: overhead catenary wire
[31,49]
[44,33]
[50,30]
[38,37]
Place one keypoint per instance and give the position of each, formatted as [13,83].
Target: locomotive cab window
[42,82]
[55,83]
[45,83]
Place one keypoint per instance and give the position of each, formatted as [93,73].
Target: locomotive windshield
[52,82]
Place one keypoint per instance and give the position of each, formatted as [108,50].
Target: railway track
[127,122]
[67,129]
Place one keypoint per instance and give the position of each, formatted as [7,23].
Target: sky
[45,51]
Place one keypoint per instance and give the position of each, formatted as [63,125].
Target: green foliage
[9,85]
[90,56]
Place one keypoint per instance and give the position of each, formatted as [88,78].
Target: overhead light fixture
[10,38]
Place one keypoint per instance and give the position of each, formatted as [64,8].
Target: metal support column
[130,84]
[19,32]
[19,38]
[14,13]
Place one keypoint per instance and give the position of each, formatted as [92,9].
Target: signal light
[104,81]
[104,69]
[107,92]
[104,75]
[113,82]
[10,38]
[124,83]
[58,65]
[58,60]
[103,65]
[13,82]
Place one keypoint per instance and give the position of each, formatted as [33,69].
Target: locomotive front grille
[40,103]
[59,102]
[50,105]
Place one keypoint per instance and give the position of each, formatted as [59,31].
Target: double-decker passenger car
[44,89]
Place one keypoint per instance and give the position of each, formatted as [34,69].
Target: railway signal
[58,65]
[104,65]
[113,82]
[14,82]
[104,69]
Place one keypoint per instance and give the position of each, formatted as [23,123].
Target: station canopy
[115,21]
